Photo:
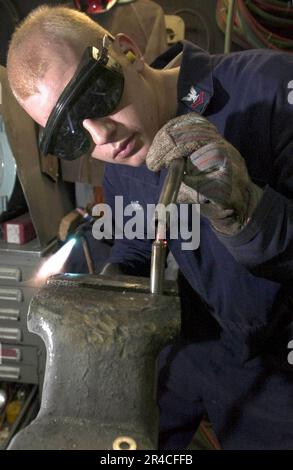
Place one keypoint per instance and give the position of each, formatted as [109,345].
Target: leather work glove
[215,175]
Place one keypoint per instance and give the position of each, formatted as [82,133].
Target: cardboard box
[19,230]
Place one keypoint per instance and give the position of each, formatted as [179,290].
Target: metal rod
[172,182]
[168,196]
[87,254]
[158,260]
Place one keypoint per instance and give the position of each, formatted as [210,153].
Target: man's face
[124,136]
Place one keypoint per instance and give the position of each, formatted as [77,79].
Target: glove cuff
[232,222]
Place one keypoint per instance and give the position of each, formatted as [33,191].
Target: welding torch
[73,225]
[79,233]
[70,231]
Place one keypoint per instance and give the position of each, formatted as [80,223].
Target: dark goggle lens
[100,98]
[70,140]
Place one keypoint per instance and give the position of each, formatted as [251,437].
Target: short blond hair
[39,39]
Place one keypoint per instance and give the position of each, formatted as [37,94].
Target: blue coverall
[237,293]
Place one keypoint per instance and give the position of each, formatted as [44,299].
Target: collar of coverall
[195,87]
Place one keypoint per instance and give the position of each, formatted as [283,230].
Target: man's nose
[101,130]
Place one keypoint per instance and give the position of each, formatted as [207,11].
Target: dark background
[11,11]
[198,15]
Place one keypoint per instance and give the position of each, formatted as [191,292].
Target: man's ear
[123,44]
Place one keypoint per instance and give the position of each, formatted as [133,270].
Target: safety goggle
[94,91]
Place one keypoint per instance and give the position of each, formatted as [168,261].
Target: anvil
[102,336]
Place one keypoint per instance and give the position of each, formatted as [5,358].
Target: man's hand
[216,174]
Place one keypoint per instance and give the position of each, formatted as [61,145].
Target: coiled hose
[257,23]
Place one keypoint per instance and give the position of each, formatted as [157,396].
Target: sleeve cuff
[256,222]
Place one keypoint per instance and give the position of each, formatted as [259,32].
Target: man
[232,360]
